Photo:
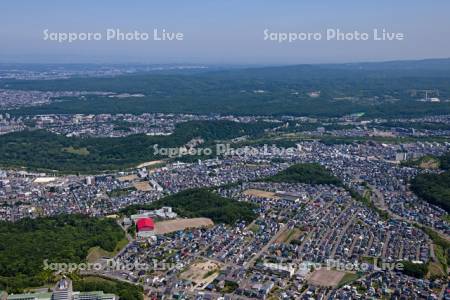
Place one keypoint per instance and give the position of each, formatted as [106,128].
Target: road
[264,249]
[381,204]
[125,229]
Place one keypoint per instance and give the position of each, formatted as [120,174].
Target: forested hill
[378,89]
[28,243]
[435,188]
[43,150]
[203,202]
[391,69]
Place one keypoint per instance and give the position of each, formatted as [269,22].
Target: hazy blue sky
[226,31]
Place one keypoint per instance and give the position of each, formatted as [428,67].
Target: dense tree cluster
[445,162]
[310,173]
[43,150]
[378,90]
[26,244]
[414,269]
[202,203]
[415,125]
[435,188]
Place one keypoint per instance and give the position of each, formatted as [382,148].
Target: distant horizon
[218,32]
[237,64]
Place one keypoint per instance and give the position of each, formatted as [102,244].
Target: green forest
[202,203]
[310,173]
[378,90]
[435,188]
[41,150]
[414,269]
[27,243]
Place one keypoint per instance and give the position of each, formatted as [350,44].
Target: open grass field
[324,277]
[260,193]
[181,224]
[435,270]
[78,151]
[429,163]
[348,277]
[95,253]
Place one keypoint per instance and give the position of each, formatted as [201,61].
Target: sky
[223,31]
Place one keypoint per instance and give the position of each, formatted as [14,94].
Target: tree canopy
[202,203]
[26,244]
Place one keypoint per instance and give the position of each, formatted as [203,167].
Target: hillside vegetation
[309,173]
[435,188]
[26,244]
[202,203]
[376,89]
[42,150]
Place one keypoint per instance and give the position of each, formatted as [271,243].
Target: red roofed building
[145,227]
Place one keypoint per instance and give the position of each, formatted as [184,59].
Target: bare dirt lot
[289,235]
[202,272]
[429,163]
[181,224]
[142,186]
[324,277]
[127,178]
[150,163]
[260,193]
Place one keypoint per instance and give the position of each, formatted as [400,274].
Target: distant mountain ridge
[427,67]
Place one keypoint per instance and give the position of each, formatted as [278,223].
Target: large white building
[164,213]
[63,291]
